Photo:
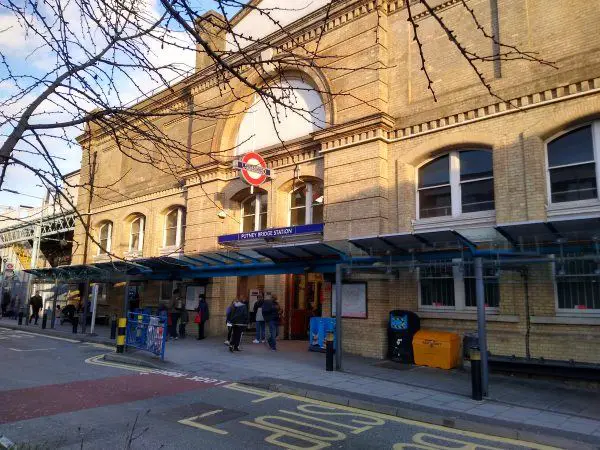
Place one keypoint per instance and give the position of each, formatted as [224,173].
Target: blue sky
[15,44]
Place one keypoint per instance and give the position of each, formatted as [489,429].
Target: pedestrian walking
[260,321]
[5,303]
[228,323]
[270,312]
[203,315]
[238,317]
[183,321]
[36,305]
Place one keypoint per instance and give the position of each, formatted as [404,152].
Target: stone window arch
[105,238]
[174,227]
[306,203]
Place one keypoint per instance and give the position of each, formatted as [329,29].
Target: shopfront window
[306,204]
[254,213]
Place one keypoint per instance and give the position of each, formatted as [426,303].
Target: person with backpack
[238,317]
[270,312]
[229,326]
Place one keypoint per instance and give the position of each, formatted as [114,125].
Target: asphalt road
[56,393]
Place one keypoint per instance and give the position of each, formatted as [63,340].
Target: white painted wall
[267,124]
[257,25]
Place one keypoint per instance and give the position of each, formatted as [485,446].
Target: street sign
[9,270]
[253,168]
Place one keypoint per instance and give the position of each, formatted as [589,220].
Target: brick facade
[379,132]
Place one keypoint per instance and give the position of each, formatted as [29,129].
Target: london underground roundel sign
[253,169]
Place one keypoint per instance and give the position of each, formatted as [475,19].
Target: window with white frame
[306,204]
[451,286]
[577,285]
[572,168]
[105,238]
[136,234]
[456,183]
[174,228]
[254,213]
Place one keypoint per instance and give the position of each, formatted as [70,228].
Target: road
[58,393]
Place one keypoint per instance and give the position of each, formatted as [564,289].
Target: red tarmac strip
[41,401]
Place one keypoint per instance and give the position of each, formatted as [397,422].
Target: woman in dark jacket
[238,317]
[203,312]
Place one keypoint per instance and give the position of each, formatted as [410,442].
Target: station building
[381,166]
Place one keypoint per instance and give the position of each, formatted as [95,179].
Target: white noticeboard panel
[191,297]
[354,300]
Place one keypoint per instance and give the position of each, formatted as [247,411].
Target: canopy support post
[481,327]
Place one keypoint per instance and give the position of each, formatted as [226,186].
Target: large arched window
[136,234]
[572,168]
[254,213]
[298,113]
[306,203]
[105,238]
[459,182]
[174,227]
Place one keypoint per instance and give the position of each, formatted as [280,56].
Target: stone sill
[565,320]
[455,315]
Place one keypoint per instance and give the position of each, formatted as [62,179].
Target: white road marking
[192,422]
[20,333]
[31,350]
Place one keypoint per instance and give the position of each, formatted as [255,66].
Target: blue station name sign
[272,233]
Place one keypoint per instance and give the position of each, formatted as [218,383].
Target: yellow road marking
[191,421]
[263,393]
[99,361]
[104,346]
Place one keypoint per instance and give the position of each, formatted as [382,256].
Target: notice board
[191,297]
[354,300]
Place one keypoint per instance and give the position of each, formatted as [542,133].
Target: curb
[53,333]
[137,361]
[435,416]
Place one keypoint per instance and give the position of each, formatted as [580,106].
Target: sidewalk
[536,409]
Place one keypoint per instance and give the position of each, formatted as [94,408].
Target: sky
[15,44]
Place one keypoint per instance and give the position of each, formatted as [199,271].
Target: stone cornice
[373,132]
[138,200]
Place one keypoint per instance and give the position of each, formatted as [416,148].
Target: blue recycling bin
[319,327]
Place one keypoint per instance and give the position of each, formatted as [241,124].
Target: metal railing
[147,333]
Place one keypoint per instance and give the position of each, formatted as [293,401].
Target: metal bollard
[121,335]
[329,352]
[113,328]
[44,320]
[476,384]
[20,317]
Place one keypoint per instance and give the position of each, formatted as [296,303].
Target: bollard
[113,328]
[121,335]
[20,317]
[44,320]
[476,385]
[329,352]
[75,323]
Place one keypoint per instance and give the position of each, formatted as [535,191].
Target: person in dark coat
[36,305]
[238,317]
[270,312]
[204,315]
[5,303]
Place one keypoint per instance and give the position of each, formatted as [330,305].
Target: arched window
[306,203]
[136,234]
[254,213]
[299,113]
[572,168]
[105,238]
[174,228]
[459,182]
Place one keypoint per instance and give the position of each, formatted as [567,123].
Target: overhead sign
[253,169]
[272,233]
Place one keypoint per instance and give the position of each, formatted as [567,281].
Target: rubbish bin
[470,339]
[402,326]
[319,327]
[436,349]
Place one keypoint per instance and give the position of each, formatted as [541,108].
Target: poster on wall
[191,296]
[354,300]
